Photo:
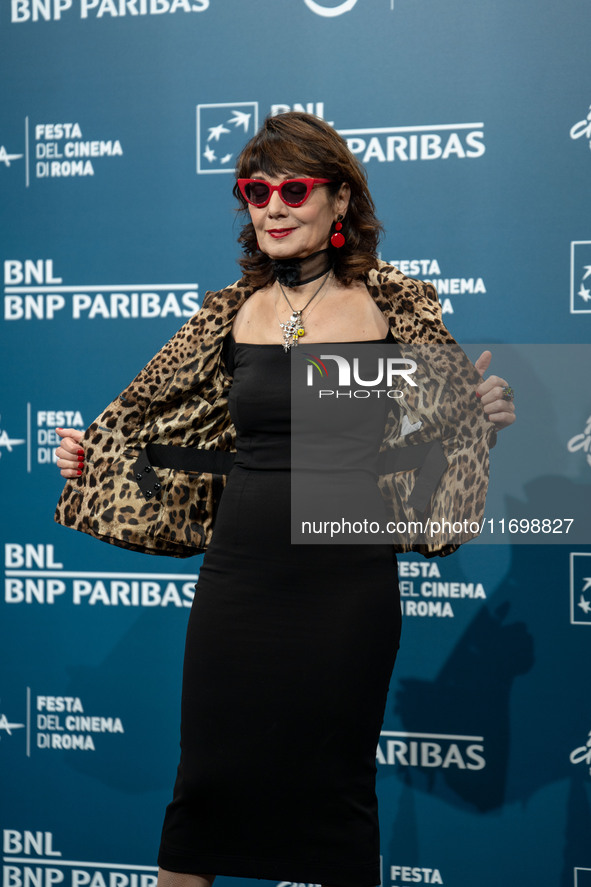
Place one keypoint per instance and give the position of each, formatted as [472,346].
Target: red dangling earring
[338,239]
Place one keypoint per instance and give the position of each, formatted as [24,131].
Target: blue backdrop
[119,127]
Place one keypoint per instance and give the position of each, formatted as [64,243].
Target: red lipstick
[277,233]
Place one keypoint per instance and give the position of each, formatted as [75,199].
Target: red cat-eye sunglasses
[293,192]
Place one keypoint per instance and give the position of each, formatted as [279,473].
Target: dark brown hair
[293,144]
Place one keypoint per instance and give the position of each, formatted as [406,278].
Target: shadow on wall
[472,689]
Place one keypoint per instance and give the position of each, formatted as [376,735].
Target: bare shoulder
[357,302]
[253,315]
[347,314]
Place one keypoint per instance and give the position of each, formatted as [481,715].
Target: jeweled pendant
[292,330]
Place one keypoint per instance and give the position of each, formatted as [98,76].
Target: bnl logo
[222,132]
[580,588]
[580,277]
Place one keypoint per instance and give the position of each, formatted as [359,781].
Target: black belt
[428,457]
[179,458]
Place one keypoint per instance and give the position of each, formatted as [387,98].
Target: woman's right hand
[70,455]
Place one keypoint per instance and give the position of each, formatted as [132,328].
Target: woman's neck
[296,273]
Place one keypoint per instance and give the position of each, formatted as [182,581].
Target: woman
[289,648]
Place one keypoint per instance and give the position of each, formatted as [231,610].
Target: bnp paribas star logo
[222,132]
[580,588]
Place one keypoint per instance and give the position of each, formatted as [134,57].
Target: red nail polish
[478,395]
[78,472]
[80,452]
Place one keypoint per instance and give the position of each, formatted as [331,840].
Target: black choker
[297,272]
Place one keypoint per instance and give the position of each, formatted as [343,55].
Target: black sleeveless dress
[289,654]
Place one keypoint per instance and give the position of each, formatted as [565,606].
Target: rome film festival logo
[582,129]
[6,158]
[580,588]
[582,441]
[41,437]
[582,754]
[62,723]
[580,277]
[326,10]
[222,131]
[60,150]
[6,442]
[7,727]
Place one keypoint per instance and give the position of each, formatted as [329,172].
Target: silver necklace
[293,329]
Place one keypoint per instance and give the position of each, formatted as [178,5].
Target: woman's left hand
[490,391]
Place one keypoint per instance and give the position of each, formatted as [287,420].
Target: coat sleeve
[440,422]
[105,501]
[430,309]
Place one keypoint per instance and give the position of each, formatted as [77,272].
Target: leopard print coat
[180,398]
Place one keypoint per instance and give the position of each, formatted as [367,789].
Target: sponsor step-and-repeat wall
[120,124]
